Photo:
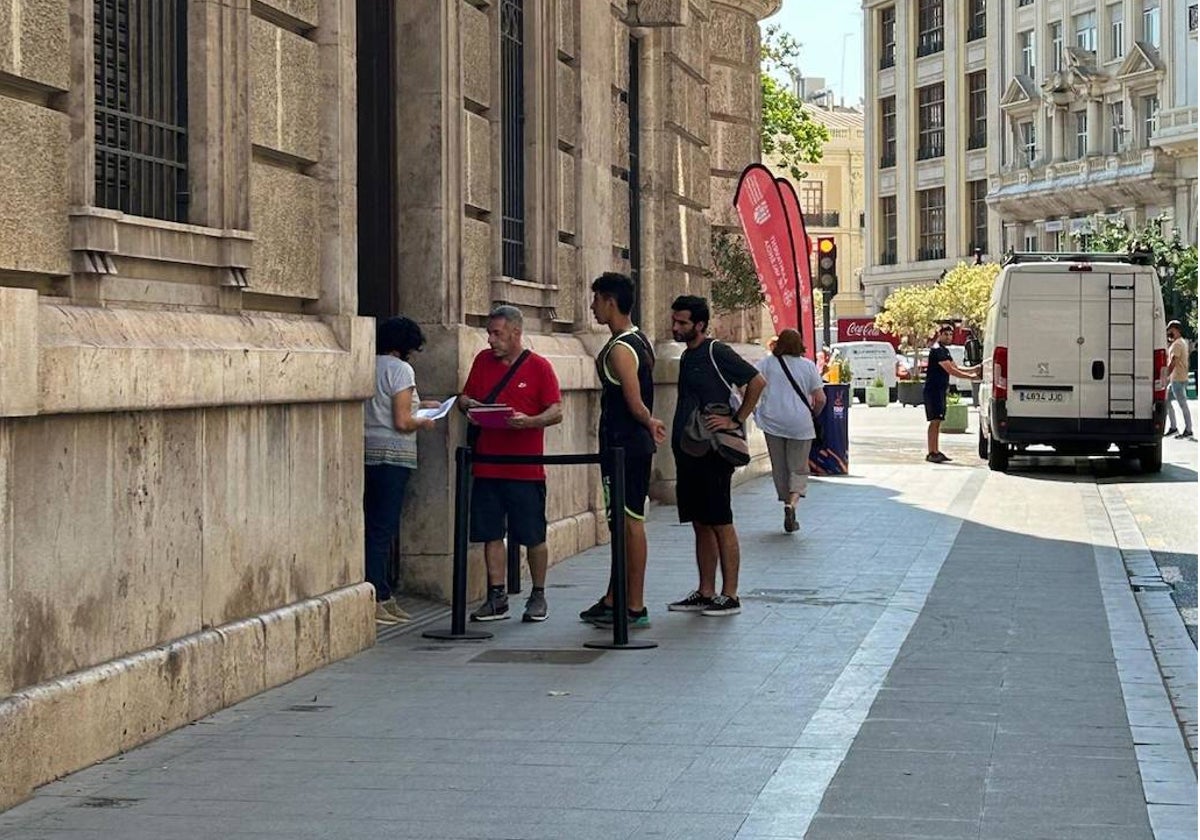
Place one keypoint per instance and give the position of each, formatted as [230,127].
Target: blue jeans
[383,497]
[1178,394]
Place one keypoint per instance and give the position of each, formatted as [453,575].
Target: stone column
[1095,126]
[1058,134]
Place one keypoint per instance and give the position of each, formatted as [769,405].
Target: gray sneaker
[495,608]
[535,607]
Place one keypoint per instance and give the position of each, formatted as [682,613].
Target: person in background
[389,453]
[937,383]
[625,366]
[787,420]
[1177,374]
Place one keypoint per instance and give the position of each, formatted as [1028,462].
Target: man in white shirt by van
[1177,371]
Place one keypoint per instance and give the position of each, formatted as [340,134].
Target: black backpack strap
[504,380]
[799,391]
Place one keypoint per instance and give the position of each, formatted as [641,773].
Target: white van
[1075,357]
[868,360]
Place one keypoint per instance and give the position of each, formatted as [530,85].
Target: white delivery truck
[1075,357]
[868,360]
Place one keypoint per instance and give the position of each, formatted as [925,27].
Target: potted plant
[877,393]
[956,414]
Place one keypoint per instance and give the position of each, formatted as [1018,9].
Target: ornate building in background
[202,207]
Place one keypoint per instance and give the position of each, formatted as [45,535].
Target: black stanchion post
[458,605]
[514,566]
[616,506]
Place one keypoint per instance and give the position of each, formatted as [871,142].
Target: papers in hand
[491,416]
[436,413]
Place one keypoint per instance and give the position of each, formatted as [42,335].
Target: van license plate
[1044,396]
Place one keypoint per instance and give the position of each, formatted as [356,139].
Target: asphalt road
[1164,505]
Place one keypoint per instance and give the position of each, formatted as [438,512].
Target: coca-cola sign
[863,329]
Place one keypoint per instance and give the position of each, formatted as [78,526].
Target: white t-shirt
[780,411]
[383,444]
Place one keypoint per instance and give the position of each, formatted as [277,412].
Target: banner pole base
[449,635]
[632,644]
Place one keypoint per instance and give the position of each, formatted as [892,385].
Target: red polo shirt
[532,389]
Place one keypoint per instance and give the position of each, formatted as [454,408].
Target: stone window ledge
[98,234]
[65,359]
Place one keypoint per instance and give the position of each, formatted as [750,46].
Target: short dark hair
[617,286]
[1175,325]
[695,306]
[398,334]
[945,327]
[789,343]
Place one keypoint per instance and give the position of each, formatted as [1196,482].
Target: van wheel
[997,456]
[1151,457]
[983,444]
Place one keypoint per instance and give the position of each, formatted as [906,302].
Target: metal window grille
[929,27]
[977,196]
[812,198]
[887,37]
[932,205]
[512,147]
[977,20]
[887,213]
[141,107]
[930,122]
[887,124]
[977,110]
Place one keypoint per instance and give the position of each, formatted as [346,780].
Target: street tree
[910,313]
[790,136]
[1176,263]
[964,293]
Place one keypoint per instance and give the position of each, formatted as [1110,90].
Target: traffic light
[827,265]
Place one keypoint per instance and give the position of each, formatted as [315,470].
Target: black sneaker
[1186,434]
[597,612]
[1170,432]
[638,620]
[723,605]
[694,602]
[535,608]
[495,608]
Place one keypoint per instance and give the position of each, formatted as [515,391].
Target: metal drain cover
[544,657]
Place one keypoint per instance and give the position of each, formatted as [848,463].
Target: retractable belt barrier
[463,458]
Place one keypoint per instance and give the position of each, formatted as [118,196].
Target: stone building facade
[202,206]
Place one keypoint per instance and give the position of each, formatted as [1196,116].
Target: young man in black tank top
[625,367]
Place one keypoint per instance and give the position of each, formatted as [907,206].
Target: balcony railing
[887,258]
[934,148]
[929,43]
[887,161]
[828,219]
[928,254]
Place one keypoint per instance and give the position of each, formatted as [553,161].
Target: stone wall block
[306,11]
[733,145]
[619,33]
[620,214]
[33,189]
[733,36]
[569,281]
[279,645]
[17,778]
[244,674]
[478,162]
[63,597]
[351,619]
[205,653]
[35,42]
[567,27]
[311,620]
[728,88]
[477,266]
[687,103]
[477,57]
[154,694]
[300,97]
[688,239]
[620,133]
[567,98]
[309,565]
[689,44]
[341,429]
[224,515]
[567,197]
[6,572]
[18,352]
[284,215]
[264,83]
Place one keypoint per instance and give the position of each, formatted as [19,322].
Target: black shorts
[935,405]
[637,484]
[702,488]
[522,504]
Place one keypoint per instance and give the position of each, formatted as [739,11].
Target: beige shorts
[789,465]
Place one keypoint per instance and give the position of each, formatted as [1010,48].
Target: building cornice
[761,9]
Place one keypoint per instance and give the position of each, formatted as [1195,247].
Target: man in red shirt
[512,492]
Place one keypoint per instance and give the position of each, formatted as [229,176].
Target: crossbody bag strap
[504,380]
[799,392]
[717,367]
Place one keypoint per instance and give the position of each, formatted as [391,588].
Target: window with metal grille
[977,214]
[1116,31]
[141,107]
[929,27]
[887,230]
[887,132]
[977,110]
[1116,124]
[812,198]
[977,20]
[931,140]
[1028,53]
[512,140]
[1081,134]
[1056,46]
[1149,109]
[931,206]
[887,37]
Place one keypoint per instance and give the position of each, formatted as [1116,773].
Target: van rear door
[1117,326]
[1043,343]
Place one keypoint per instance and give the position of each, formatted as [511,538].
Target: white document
[436,413]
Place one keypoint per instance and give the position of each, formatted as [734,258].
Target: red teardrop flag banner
[800,243]
[764,222]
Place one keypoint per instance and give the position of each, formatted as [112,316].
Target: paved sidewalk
[922,660]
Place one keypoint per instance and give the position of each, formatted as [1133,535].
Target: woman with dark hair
[390,453]
[787,421]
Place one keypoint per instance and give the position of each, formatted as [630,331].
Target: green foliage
[735,285]
[1178,262]
[910,312]
[790,135]
[965,293]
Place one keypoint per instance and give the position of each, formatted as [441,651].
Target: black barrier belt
[463,457]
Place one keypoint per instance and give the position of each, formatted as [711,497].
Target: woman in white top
[786,421]
[390,453]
